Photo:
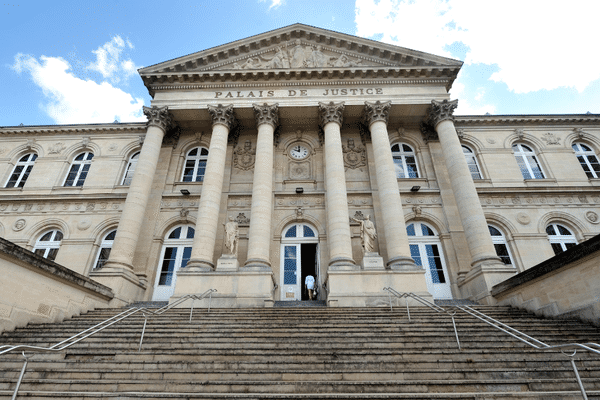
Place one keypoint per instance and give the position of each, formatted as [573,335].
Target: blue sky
[76,62]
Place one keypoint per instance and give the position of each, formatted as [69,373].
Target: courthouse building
[296,152]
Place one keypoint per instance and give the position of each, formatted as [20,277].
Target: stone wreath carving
[354,156]
[550,138]
[592,217]
[244,157]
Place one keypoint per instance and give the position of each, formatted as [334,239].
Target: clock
[299,152]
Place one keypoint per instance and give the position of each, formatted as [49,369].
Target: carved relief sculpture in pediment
[354,156]
[244,157]
[295,55]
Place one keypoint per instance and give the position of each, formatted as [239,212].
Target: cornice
[462,120]
[135,127]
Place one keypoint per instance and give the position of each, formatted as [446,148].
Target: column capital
[159,117]
[331,112]
[266,114]
[440,111]
[222,115]
[377,111]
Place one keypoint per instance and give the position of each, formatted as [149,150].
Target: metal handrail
[100,327]
[531,341]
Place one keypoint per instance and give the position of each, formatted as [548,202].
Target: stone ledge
[39,264]
[554,264]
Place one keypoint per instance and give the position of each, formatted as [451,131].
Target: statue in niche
[244,157]
[354,157]
[368,234]
[232,235]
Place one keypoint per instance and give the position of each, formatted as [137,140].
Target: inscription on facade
[241,94]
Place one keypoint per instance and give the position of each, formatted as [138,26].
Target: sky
[69,62]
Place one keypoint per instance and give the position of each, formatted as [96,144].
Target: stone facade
[295,137]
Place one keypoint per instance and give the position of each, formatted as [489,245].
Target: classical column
[338,224]
[128,232]
[212,187]
[469,207]
[398,251]
[259,234]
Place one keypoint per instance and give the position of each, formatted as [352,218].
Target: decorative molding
[428,132]
[354,157]
[331,112]
[222,115]
[242,220]
[377,111]
[440,111]
[579,133]
[499,120]
[358,216]
[592,217]
[550,138]
[523,218]
[159,117]
[417,210]
[266,114]
[56,148]
[244,157]
[19,225]
[171,138]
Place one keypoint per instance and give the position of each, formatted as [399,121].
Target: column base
[478,283]
[235,289]
[372,261]
[227,262]
[365,288]
[342,264]
[123,281]
[199,265]
[403,264]
[257,264]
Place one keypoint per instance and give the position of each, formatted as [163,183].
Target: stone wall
[35,290]
[564,286]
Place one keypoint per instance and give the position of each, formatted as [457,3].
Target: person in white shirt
[309,282]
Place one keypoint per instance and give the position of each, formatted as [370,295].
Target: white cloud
[74,100]
[109,63]
[274,3]
[535,44]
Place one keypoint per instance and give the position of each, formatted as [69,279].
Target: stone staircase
[302,353]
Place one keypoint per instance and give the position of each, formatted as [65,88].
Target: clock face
[299,152]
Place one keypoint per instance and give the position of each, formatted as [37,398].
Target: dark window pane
[52,254]
[557,248]
[175,234]
[410,230]
[190,233]
[502,252]
[563,230]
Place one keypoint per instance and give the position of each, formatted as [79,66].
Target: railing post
[192,309]
[407,309]
[143,331]
[572,359]
[390,300]
[455,331]
[209,300]
[16,392]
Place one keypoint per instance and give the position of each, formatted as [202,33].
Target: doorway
[175,254]
[299,258]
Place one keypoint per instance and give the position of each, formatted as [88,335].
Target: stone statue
[280,60]
[298,55]
[317,58]
[368,234]
[232,235]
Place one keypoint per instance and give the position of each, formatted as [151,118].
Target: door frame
[297,241]
[180,244]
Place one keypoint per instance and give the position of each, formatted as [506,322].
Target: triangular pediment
[304,52]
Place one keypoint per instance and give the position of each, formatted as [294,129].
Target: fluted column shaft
[212,188]
[394,227]
[338,224]
[259,234]
[469,207]
[134,209]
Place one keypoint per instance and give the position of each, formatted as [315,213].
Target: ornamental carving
[377,111]
[244,157]
[171,138]
[579,133]
[592,217]
[84,224]
[440,111]
[159,117]
[299,170]
[19,225]
[523,218]
[222,115]
[296,55]
[331,112]
[354,156]
[56,148]
[266,114]
[358,216]
[550,138]
[241,219]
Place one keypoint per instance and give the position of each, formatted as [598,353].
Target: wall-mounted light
[299,190]
[415,188]
[185,192]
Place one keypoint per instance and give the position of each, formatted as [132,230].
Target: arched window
[175,254]
[105,247]
[21,171]
[130,169]
[48,244]
[471,162]
[527,161]
[560,237]
[426,251]
[79,169]
[588,160]
[500,245]
[195,165]
[405,161]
